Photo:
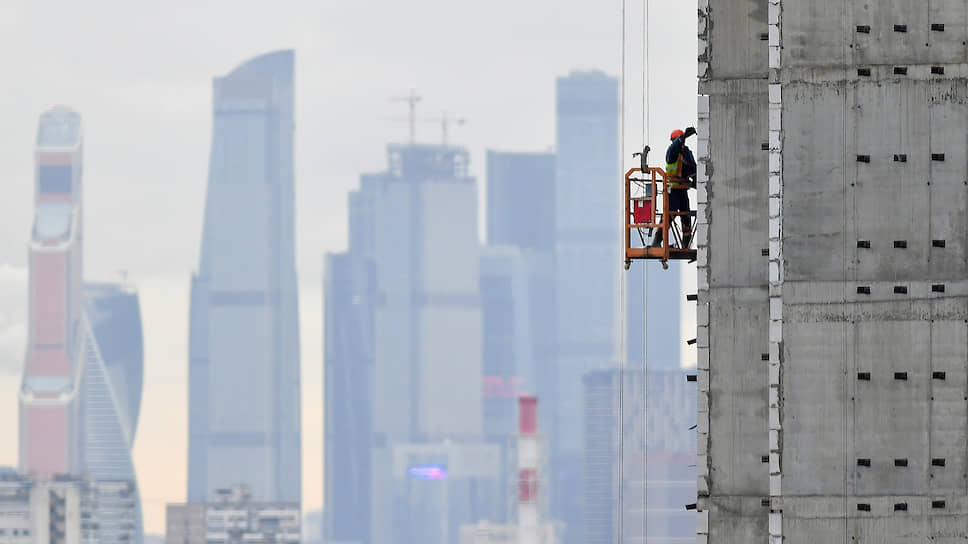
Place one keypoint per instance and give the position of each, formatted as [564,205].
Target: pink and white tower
[50,440]
[530,530]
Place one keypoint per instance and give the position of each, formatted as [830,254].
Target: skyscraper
[81,389]
[50,417]
[518,286]
[244,419]
[350,295]
[408,289]
[111,400]
[657,446]
[586,252]
[520,200]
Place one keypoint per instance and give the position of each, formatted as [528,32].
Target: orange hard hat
[675,134]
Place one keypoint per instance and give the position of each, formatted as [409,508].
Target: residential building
[233,517]
[62,509]
[244,407]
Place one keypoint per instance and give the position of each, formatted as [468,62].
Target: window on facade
[54,179]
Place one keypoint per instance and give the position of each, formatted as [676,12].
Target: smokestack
[529,461]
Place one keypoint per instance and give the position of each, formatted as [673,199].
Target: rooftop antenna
[445,121]
[412,100]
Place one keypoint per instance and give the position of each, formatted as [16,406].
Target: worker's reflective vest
[674,174]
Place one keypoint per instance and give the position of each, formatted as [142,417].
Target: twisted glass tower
[244,339]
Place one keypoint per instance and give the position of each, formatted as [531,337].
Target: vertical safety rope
[621,335]
[646,122]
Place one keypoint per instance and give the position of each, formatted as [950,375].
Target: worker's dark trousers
[678,202]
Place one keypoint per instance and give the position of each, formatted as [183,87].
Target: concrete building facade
[832,324]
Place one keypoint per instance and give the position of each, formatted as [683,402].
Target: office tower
[350,296]
[415,227]
[51,431]
[111,401]
[114,314]
[81,387]
[657,446]
[520,200]
[517,284]
[586,230]
[837,148]
[510,362]
[510,357]
[244,339]
[233,517]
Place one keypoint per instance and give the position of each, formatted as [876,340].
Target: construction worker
[681,173]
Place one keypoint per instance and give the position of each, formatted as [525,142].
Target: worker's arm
[675,148]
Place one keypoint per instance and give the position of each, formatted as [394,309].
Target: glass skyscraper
[350,295]
[244,398]
[406,461]
[81,390]
[587,260]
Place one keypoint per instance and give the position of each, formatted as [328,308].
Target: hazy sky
[140,74]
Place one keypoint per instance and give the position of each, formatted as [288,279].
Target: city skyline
[154,261]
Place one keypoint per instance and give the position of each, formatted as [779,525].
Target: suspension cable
[646,127]
[620,534]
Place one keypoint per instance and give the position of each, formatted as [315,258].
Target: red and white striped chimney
[529,475]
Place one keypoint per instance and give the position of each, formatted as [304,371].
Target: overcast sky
[140,74]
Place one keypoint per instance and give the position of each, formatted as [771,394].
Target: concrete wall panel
[815,408]
[949,409]
[814,211]
[948,194]
[950,46]
[889,529]
[738,392]
[884,45]
[739,227]
[737,519]
[890,194]
[735,31]
[814,32]
[891,410]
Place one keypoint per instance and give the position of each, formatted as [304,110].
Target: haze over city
[141,78]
